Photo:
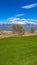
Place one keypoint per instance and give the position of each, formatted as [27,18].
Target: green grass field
[18,51]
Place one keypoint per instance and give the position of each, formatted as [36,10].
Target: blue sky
[18,8]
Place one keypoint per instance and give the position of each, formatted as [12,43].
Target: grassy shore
[18,51]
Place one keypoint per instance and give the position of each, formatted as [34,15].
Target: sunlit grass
[18,51]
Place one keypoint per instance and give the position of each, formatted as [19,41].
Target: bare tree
[32,30]
[18,28]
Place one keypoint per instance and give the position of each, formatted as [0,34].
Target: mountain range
[26,23]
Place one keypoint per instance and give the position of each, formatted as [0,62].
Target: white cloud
[32,23]
[18,15]
[19,21]
[22,21]
[29,6]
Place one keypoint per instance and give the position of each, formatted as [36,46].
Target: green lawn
[18,51]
